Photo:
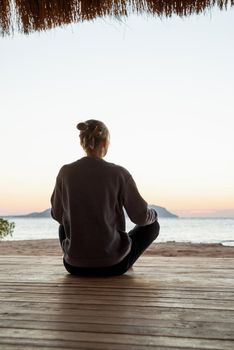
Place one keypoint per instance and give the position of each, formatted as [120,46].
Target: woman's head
[94,137]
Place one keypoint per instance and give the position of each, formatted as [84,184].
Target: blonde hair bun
[92,133]
[82,126]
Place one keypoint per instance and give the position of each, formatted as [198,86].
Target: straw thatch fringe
[5,21]
[35,15]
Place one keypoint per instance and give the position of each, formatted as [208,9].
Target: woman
[88,202]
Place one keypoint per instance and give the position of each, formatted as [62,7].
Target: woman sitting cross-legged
[89,200]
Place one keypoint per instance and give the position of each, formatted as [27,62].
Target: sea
[194,230]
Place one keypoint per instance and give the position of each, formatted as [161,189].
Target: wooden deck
[164,303]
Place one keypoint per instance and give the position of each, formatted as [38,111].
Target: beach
[51,247]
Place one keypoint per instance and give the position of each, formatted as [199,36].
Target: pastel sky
[164,87]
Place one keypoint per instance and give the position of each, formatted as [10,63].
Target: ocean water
[195,230]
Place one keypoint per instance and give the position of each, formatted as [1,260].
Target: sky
[164,88]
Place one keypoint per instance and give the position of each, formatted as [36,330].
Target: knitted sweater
[88,200]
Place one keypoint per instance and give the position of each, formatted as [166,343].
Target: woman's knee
[155,229]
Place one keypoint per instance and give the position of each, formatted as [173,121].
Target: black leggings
[141,236]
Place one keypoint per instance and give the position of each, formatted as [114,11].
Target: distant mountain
[41,214]
[162,212]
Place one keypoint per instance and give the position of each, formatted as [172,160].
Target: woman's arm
[136,207]
[56,201]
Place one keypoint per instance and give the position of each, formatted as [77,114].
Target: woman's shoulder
[67,167]
[118,169]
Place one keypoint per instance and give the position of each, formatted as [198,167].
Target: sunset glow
[164,89]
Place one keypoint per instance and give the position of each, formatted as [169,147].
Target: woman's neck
[96,154]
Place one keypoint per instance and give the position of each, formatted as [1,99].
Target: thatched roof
[27,16]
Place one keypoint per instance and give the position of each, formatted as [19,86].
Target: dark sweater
[88,200]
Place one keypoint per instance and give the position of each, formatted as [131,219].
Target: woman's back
[88,201]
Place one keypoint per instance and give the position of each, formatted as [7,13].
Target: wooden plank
[106,294]
[148,314]
[202,293]
[164,281]
[29,344]
[135,286]
[204,330]
[72,301]
[115,338]
[166,318]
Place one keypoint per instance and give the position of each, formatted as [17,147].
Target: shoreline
[51,247]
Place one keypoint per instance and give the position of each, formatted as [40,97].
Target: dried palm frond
[27,16]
